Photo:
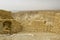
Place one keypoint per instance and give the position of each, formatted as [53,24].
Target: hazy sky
[29,4]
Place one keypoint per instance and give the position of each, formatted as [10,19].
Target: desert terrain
[31,25]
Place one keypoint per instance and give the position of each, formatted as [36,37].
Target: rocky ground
[31,36]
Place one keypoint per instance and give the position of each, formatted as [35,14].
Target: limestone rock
[39,21]
[8,25]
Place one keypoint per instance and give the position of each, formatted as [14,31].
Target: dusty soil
[31,36]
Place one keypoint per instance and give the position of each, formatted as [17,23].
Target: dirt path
[31,36]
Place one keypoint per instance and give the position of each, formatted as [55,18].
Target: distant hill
[5,14]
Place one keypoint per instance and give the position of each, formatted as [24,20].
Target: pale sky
[29,4]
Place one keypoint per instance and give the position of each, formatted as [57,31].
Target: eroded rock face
[5,14]
[31,25]
[39,21]
[10,27]
[34,21]
[7,24]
